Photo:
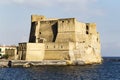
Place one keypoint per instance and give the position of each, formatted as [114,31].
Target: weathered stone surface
[31,51]
[3,63]
[61,39]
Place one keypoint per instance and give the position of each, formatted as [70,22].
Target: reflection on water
[109,70]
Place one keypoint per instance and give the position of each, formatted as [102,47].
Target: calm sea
[109,70]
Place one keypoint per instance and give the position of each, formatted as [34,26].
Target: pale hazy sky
[15,19]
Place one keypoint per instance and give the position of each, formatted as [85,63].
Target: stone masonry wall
[57,51]
[35,52]
[66,30]
[48,30]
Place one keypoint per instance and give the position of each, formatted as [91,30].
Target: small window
[41,40]
[62,21]
[87,32]
[54,46]
[47,47]
[87,28]
[40,32]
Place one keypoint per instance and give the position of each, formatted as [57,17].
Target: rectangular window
[87,32]
[87,27]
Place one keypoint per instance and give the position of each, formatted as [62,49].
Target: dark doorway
[32,37]
[55,31]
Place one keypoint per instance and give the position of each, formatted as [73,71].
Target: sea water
[109,70]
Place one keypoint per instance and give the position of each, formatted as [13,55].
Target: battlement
[91,28]
[37,18]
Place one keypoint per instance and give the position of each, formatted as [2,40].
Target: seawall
[23,63]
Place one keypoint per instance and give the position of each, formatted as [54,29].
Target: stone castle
[61,40]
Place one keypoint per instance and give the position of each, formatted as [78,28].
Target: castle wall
[66,25]
[80,27]
[57,51]
[48,30]
[12,53]
[35,52]
[66,37]
[80,31]
[79,51]
[72,46]
[66,30]
[35,25]
[95,43]
[57,55]
[35,18]
[89,51]
[91,28]
[31,51]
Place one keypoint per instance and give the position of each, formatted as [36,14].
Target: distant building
[2,50]
[10,51]
[61,39]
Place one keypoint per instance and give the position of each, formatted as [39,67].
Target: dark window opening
[17,52]
[61,46]
[41,40]
[47,46]
[87,32]
[87,28]
[0,49]
[62,21]
[40,32]
[54,46]
[32,33]
[55,31]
